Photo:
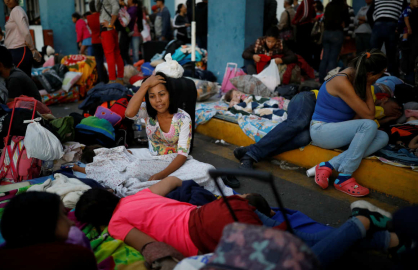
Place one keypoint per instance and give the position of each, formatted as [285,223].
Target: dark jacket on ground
[261,48]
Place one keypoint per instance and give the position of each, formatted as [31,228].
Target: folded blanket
[260,107]
[69,189]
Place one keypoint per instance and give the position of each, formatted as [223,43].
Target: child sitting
[36,224]
[152,224]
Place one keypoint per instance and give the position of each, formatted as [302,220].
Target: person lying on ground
[270,46]
[344,115]
[148,218]
[36,224]
[169,132]
[293,133]
[17,82]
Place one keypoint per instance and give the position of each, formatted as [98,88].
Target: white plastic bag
[170,67]
[270,77]
[40,143]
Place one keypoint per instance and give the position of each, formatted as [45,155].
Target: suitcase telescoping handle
[6,140]
[258,175]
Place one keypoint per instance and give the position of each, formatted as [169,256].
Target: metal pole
[194,38]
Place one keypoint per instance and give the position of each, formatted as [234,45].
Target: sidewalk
[391,180]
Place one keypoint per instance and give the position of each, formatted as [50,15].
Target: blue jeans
[329,245]
[332,42]
[136,46]
[291,134]
[362,136]
[385,32]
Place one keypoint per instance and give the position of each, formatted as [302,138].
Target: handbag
[124,17]
[15,166]
[287,33]
[317,32]
[230,72]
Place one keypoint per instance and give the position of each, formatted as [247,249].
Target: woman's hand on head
[155,80]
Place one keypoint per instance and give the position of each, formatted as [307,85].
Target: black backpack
[186,99]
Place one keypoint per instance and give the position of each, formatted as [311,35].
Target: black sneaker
[231,181]
[240,152]
[379,218]
[246,163]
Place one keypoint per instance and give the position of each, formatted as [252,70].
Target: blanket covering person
[128,173]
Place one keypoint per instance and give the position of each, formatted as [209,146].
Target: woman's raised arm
[136,101]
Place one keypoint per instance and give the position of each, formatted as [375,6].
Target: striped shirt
[388,9]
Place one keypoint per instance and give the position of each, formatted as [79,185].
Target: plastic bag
[270,76]
[40,143]
[170,67]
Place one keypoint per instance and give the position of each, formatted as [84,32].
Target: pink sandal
[322,175]
[352,188]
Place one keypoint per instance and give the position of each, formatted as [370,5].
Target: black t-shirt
[19,84]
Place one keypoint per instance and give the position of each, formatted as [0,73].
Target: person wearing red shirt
[93,21]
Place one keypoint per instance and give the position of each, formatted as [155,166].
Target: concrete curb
[391,180]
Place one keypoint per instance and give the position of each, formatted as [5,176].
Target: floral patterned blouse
[177,140]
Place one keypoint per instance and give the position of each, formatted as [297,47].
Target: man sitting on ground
[17,82]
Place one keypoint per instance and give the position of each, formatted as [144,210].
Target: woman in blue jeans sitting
[344,114]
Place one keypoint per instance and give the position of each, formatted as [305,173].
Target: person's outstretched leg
[300,111]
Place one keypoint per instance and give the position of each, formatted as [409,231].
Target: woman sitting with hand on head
[270,46]
[169,132]
[343,116]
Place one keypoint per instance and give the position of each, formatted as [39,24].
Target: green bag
[65,127]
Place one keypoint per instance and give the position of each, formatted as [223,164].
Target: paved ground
[296,190]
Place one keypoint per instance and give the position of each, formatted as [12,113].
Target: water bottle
[140,133]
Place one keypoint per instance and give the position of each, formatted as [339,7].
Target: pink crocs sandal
[352,188]
[322,175]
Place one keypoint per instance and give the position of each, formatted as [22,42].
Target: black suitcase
[151,48]
[186,96]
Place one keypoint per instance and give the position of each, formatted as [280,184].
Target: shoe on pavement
[246,163]
[240,152]
[231,181]
[379,218]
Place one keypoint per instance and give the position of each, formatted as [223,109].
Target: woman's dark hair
[96,207]
[374,61]
[273,32]
[139,14]
[179,6]
[259,202]
[76,15]
[92,6]
[88,13]
[173,107]
[319,6]
[89,154]
[30,218]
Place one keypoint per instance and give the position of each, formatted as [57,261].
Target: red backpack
[118,106]
[15,166]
